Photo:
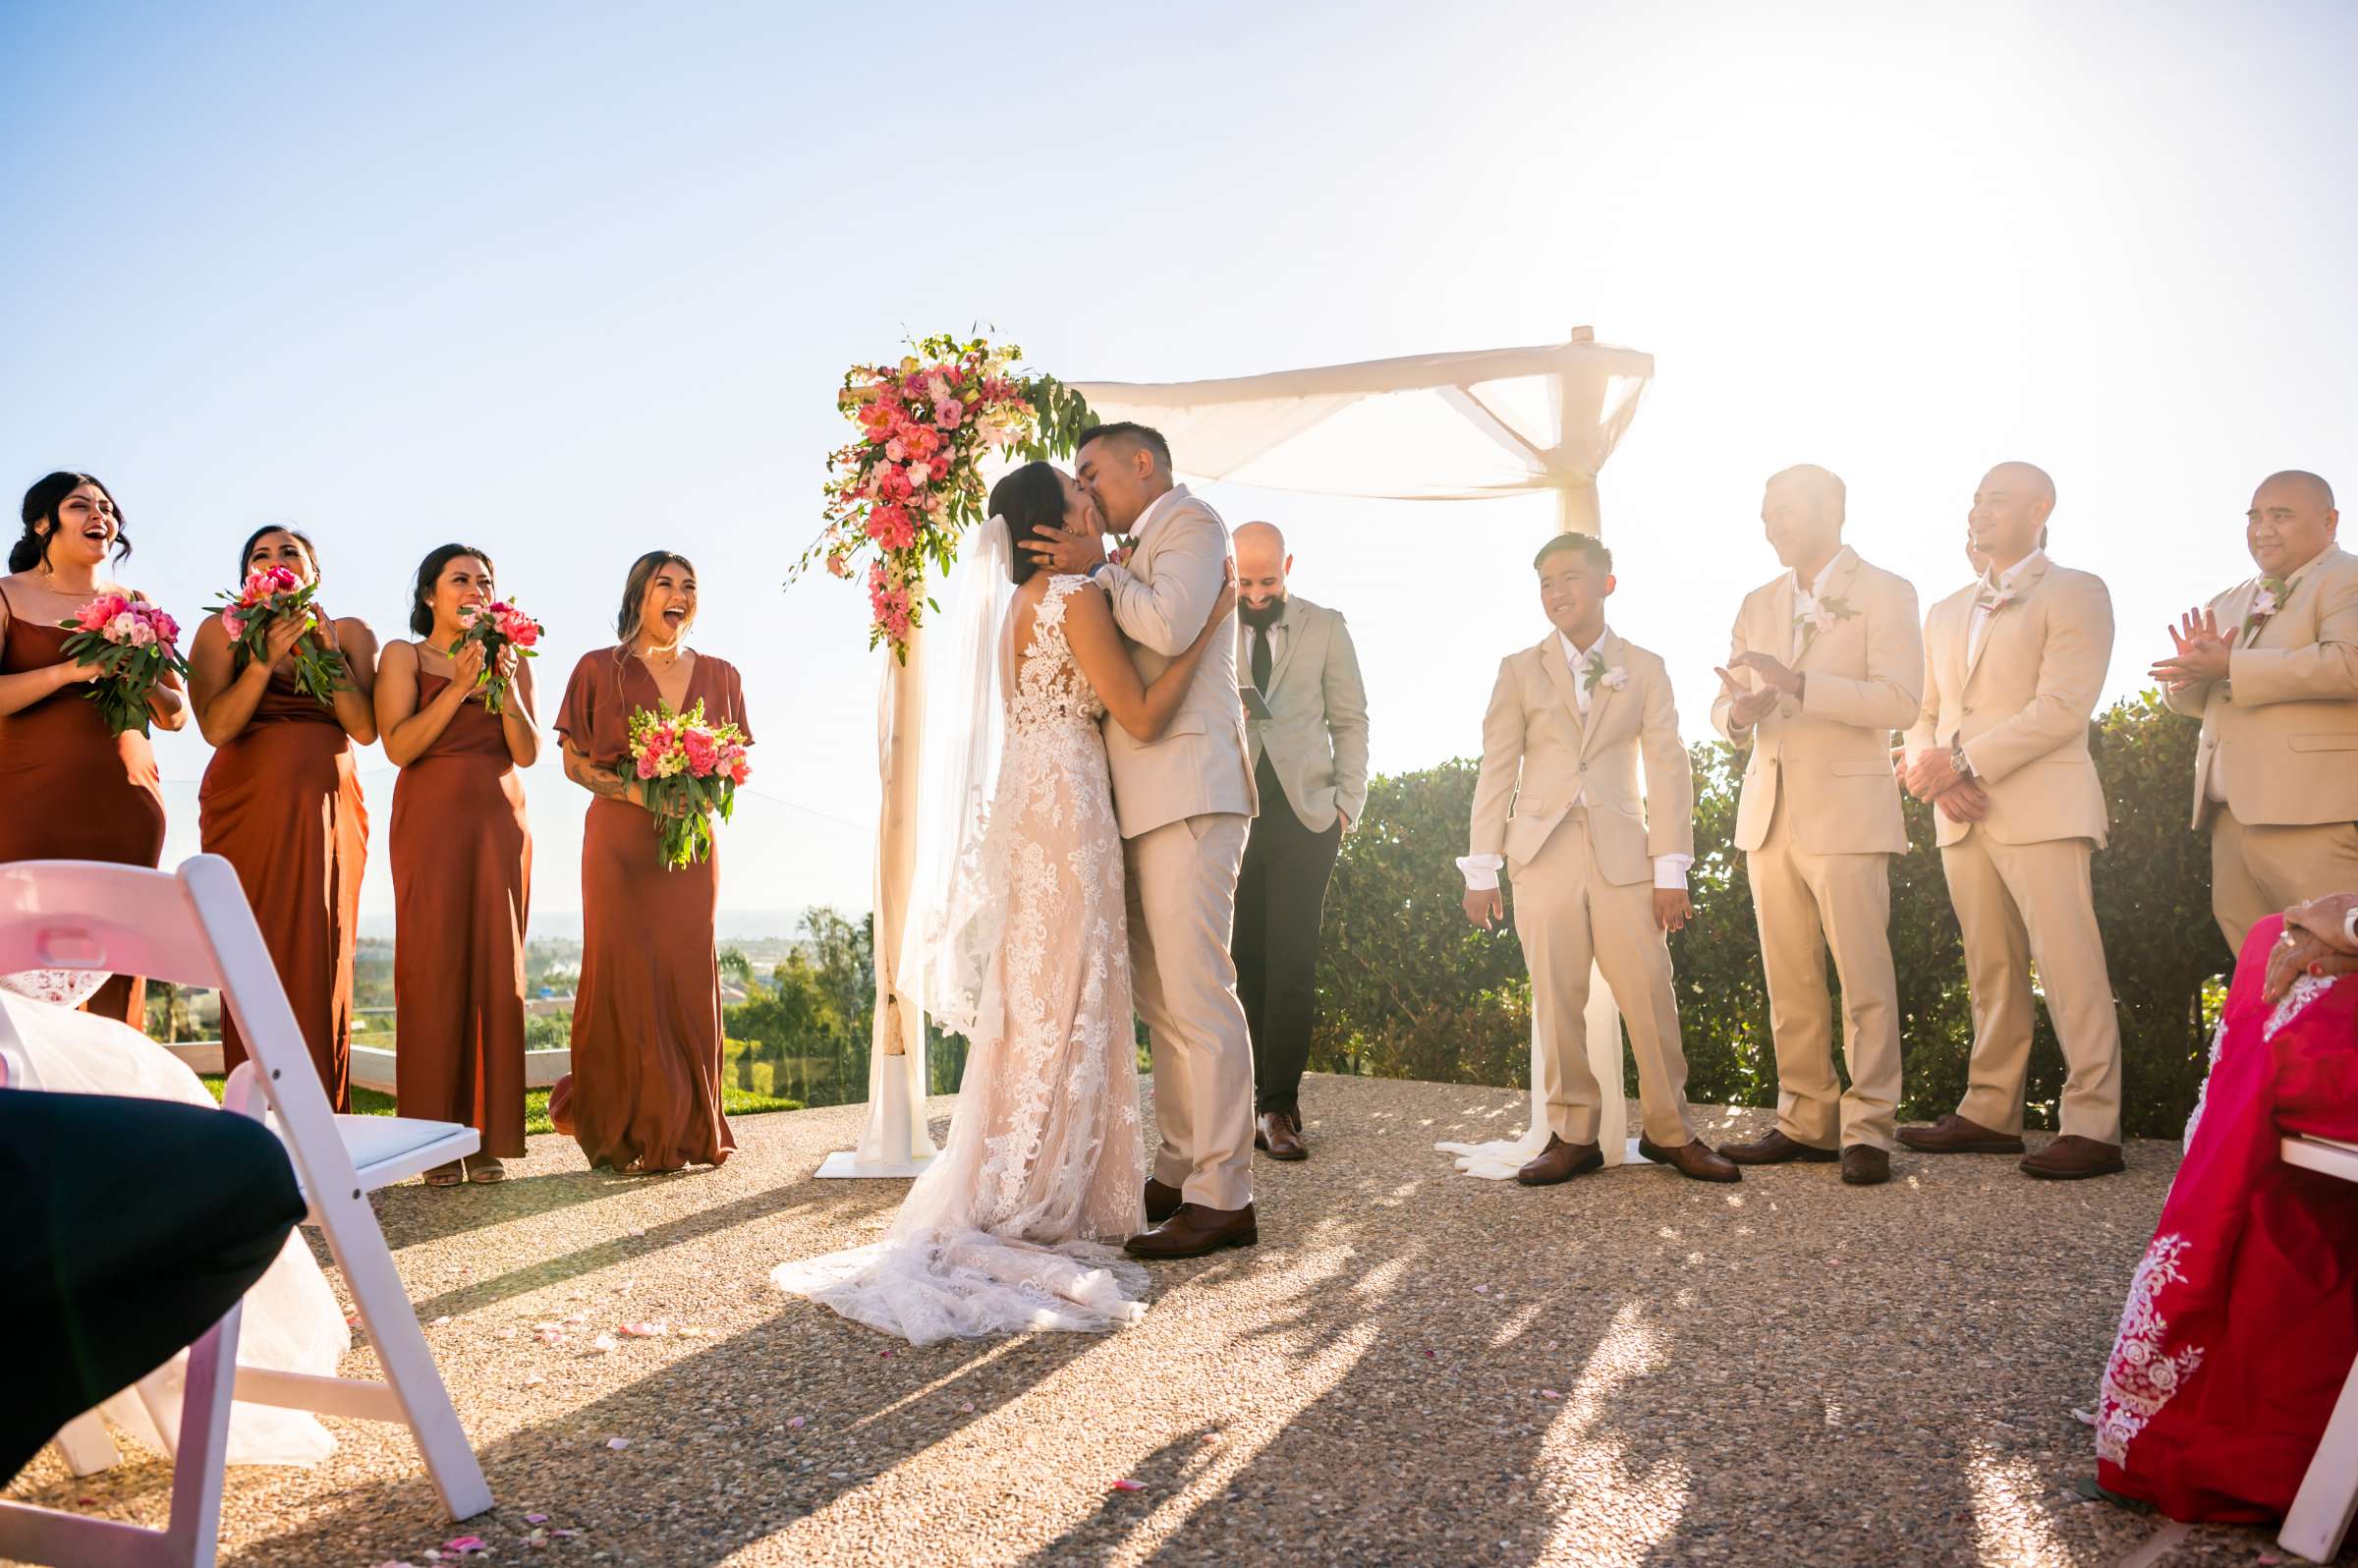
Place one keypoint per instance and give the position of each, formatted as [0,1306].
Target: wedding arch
[1457,426]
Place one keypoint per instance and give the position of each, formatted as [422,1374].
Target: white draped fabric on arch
[1469,426]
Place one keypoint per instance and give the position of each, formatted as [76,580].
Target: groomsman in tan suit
[1183,803]
[1827,663]
[1600,867]
[2270,667]
[2014,665]
[1305,722]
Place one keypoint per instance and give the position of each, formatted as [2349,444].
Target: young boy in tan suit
[2014,666]
[1600,865]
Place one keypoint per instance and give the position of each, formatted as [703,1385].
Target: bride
[1013,1226]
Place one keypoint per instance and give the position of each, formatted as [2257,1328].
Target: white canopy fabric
[1429,428]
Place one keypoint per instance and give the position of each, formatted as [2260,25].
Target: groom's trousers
[1181,891]
[1280,905]
[131,1226]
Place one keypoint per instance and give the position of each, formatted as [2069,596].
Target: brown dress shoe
[1281,1136]
[2072,1159]
[1161,1201]
[1954,1135]
[1560,1161]
[1775,1149]
[1694,1159]
[1865,1165]
[1196,1230]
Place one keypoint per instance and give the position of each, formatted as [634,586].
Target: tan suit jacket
[2281,730]
[1828,756]
[1538,755]
[1317,734]
[1162,597]
[2022,705]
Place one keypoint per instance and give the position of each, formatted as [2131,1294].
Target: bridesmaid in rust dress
[281,801]
[462,867]
[68,789]
[644,1091]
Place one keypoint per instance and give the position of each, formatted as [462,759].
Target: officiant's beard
[1260,615]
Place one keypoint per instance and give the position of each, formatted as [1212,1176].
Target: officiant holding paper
[1306,723]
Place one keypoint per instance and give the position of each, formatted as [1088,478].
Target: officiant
[1306,723]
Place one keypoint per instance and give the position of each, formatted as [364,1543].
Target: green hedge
[1407,988]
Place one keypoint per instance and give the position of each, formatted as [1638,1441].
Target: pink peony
[167,627]
[143,634]
[895,450]
[948,412]
[703,750]
[231,624]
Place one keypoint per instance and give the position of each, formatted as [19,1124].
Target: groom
[1184,803]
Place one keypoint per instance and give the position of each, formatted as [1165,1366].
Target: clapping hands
[1745,706]
[2202,655]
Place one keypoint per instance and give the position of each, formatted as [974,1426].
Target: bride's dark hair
[1032,500]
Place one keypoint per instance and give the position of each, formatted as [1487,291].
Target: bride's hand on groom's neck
[1066,553]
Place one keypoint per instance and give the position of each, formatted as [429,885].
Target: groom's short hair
[1133,433]
[1588,544]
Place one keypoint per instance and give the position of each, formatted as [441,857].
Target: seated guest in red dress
[2242,1319]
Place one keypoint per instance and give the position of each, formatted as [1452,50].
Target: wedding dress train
[1011,1228]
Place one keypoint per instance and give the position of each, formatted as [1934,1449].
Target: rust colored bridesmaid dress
[462,885]
[66,789]
[282,804]
[645,1086]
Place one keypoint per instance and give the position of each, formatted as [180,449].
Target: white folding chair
[2322,1509]
[193,926]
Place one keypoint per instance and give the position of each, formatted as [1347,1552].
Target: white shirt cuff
[1670,872]
[1480,871]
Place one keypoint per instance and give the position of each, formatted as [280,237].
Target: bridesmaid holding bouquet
[282,690]
[70,787]
[455,708]
[644,1091]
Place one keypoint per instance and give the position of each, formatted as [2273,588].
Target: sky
[572,282]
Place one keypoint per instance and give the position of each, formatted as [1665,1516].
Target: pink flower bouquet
[133,644]
[495,626]
[270,594]
[686,770]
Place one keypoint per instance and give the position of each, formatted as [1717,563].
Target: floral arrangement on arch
[910,482]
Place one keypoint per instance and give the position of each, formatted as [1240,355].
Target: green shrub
[1408,989]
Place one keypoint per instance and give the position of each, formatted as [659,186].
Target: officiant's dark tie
[1261,659]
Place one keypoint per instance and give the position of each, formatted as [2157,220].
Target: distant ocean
[565,925]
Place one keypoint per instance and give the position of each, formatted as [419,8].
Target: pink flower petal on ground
[603,1343]
[618,1444]
[653,1329]
[636,1231]
[566,1534]
[1127,1485]
[464,1543]
[506,1333]
[535,1519]
[795,1424]
[967,1409]
[885,1355]
[1550,1393]
[577,1318]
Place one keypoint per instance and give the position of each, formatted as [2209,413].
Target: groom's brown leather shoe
[1954,1135]
[1865,1165]
[1694,1159]
[1280,1137]
[1196,1230]
[1161,1201]
[2072,1159]
[1560,1161]
[1775,1149]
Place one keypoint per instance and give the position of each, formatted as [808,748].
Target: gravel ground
[1414,1367]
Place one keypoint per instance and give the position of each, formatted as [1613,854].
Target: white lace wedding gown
[1012,1227]
[290,1322]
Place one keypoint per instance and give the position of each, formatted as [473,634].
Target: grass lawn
[369,1102]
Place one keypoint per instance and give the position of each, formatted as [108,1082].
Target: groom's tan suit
[1819,821]
[2016,683]
[2275,779]
[1559,799]
[1184,803]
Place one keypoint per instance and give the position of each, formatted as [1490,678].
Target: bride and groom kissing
[1098,875]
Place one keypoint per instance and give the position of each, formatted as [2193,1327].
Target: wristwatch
[1100,567]
[1956,760]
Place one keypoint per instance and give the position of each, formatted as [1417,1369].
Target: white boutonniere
[1813,615]
[2266,603]
[1592,674]
[1993,600]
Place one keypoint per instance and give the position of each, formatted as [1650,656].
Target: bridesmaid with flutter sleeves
[70,789]
[644,1091]
[462,864]
[281,801]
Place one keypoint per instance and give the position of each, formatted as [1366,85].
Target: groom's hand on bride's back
[1067,554]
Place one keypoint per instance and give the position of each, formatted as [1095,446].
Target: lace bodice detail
[1049,688]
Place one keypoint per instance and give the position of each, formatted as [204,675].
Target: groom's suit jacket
[1161,597]
[1538,752]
